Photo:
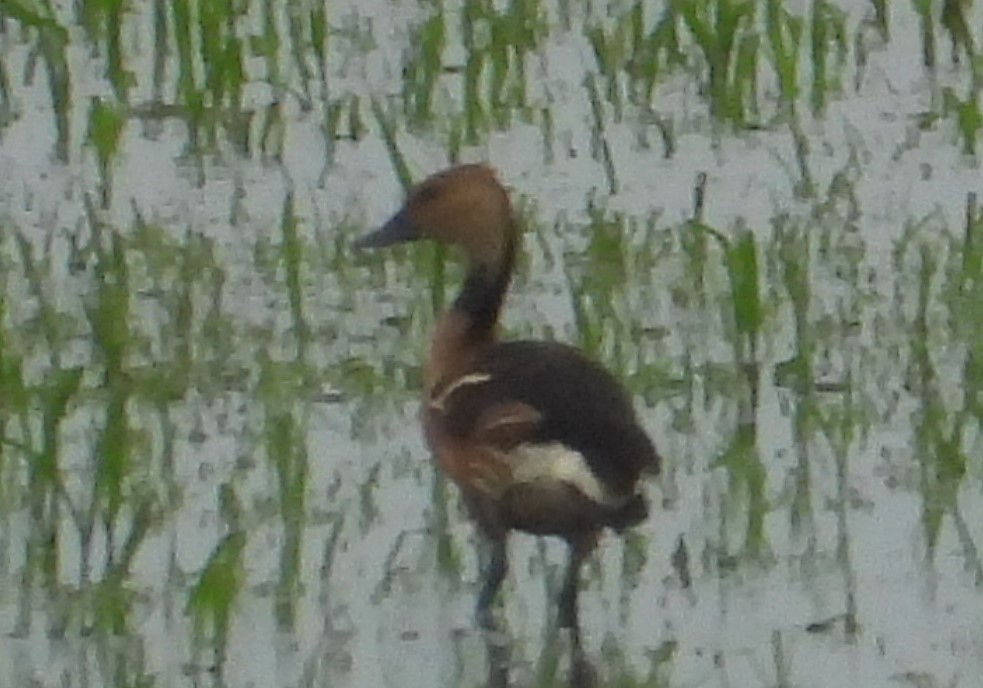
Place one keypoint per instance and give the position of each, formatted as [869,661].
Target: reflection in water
[581,672]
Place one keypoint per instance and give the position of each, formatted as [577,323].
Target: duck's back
[533,401]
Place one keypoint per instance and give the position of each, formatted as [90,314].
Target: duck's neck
[470,323]
[482,294]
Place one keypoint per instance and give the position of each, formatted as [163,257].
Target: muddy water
[211,472]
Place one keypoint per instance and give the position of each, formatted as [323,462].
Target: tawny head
[464,206]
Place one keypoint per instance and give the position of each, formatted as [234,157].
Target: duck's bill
[398,230]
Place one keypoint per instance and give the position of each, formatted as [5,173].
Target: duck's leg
[581,545]
[495,568]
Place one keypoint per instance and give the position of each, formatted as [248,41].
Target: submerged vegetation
[206,400]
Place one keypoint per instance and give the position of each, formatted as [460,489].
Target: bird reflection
[580,674]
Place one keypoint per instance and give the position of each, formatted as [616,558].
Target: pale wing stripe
[526,415]
[470,379]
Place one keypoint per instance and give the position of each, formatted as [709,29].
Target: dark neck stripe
[483,292]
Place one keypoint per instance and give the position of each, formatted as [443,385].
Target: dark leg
[495,568]
[580,548]
[582,671]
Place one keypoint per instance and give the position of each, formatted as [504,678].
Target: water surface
[762,216]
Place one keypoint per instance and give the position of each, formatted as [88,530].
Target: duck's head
[464,206]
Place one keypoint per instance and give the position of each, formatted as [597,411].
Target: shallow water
[210,470]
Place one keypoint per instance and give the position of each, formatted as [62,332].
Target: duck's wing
[534,400]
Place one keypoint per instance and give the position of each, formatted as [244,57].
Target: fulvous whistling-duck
[538,437]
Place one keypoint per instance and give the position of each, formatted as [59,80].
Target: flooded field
[764,216]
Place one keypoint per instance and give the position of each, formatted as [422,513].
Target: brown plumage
[538,437]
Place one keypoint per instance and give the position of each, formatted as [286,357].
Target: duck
[537,436]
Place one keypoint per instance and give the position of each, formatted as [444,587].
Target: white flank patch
[557,462]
